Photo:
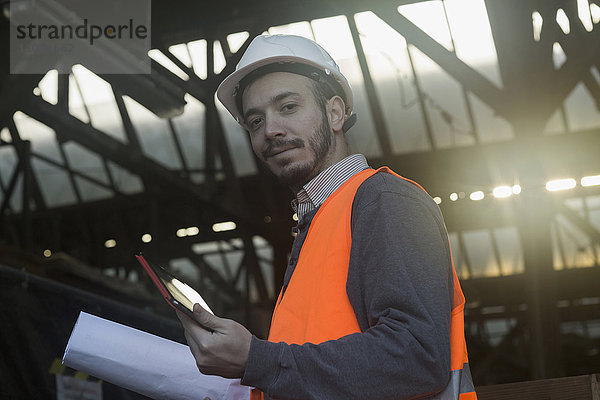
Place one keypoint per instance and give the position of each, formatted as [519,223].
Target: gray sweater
[400,287]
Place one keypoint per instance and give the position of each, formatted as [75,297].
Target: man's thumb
[205,318]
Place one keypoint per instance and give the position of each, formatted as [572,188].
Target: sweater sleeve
[400,287]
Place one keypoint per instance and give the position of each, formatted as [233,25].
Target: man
[370,306]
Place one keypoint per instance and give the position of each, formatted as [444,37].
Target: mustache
[277,144]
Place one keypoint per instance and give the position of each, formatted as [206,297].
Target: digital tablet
[178,294]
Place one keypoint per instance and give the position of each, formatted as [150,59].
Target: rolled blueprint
[144,363]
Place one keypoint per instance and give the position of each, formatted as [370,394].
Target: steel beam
[471,79]
[491,164]
[530,80]
[111,149]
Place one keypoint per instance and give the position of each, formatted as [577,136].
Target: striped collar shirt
[319,188]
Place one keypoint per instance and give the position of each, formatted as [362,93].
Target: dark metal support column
[179,148]
[210,143]
[63,104]
[40,203]
[25,155]
[231,179]
[11,185]
[130,131]
[544,329]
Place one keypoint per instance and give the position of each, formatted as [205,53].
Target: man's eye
[289,107]
[255,123]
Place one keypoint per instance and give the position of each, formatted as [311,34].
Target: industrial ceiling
[483,102]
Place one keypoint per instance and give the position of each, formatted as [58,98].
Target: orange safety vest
[328,315]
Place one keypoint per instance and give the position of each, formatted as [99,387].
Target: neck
[341,151]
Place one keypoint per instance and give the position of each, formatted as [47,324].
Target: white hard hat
[282,53]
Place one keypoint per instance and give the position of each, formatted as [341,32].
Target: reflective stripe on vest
[329,315]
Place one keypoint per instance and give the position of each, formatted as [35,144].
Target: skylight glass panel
[198,50]
[458,257]
[445,102]
[190,129]
[42,137]
[90,191]
[478,244]
[509,250]
[430,17]
[238,143]
[100,101]
[334,35]
[76,105]
[153,134]
[125,181]
[163,60]
[85,161]
[55,184]
[182,53]
[218,57]
[8,163]
[387,57]
[48,86]
[472,36]
[301,28]
[581,109]
[5,135]
[236,40]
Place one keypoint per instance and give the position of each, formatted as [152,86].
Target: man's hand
[224,351]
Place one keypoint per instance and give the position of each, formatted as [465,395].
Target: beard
[297,174]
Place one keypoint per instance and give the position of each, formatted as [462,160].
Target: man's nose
[273,127]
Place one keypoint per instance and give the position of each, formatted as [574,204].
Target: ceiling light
[453,196]
[590,180]
[181,232]
[502,191]
[224,226]
[146,238]
[192,231]
[478,195]
[560,184]
[110,243]
[438,200]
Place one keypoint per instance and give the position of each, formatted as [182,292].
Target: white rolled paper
[144,363]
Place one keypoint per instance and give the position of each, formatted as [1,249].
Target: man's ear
[336,113]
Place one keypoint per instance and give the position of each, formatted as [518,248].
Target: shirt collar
[319,188]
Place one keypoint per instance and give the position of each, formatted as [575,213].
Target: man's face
[289,132]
